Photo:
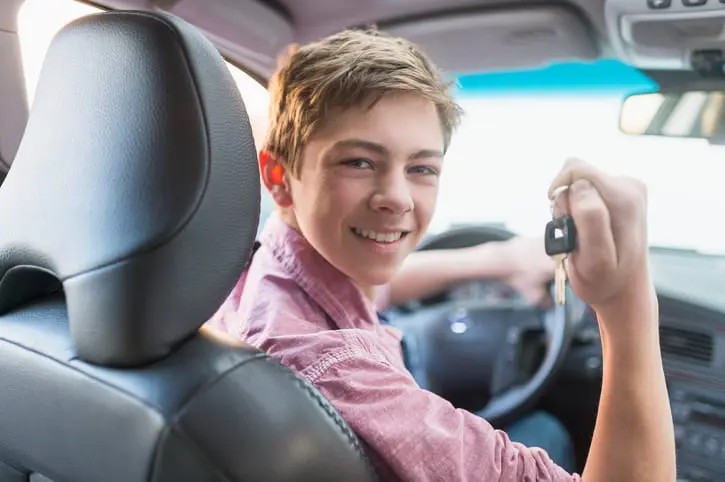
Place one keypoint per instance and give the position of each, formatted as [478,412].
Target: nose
[393,194]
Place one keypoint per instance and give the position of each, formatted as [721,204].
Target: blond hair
[343,71]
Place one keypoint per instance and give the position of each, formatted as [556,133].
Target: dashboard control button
[657,4]
[593,363]
[678,394]
[694,3]
[697,475]
[712,446]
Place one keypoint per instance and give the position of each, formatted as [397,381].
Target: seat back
[127,217]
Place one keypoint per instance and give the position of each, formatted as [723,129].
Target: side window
[256,101]
[40,20]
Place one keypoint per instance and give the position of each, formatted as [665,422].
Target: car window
[40,20]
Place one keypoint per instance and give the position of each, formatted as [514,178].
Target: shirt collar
[337,295]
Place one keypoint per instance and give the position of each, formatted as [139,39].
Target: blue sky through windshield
[604,76]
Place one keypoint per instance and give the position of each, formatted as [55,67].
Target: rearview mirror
[690,114]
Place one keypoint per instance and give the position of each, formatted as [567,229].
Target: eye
[358,163]
[425,170]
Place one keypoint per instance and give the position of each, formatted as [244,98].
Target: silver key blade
[560,279]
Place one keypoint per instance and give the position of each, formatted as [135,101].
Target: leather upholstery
[137,137]
[129,213]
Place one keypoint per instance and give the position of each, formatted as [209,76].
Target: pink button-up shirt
[303,312]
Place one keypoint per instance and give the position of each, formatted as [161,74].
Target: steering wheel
[470,343]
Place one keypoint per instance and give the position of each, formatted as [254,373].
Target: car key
[559,241]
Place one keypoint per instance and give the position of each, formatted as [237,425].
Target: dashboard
[692,339]
[691,290]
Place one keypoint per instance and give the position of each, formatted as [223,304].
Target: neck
[288,216]
[370,293]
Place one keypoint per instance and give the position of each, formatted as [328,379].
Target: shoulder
[318,355]
[350,351]
[420,436]
[273,304]
[264,293]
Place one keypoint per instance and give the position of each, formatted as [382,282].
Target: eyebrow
[380,149]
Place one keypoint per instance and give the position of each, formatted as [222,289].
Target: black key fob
[560,236]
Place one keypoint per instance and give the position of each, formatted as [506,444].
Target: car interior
[129,176]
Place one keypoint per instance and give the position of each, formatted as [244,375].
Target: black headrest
[135,186]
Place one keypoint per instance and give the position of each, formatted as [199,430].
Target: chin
[375,277]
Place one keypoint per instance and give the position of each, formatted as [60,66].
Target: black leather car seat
[129,212]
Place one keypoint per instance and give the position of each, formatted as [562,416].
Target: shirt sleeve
[421,436]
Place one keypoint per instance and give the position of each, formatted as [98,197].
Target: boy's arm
[609,270]
[425,273]
[520,262]
[634,437]
[416,436]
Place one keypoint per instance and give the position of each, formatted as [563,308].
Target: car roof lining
[241,28]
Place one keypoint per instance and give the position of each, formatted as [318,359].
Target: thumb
[595,252]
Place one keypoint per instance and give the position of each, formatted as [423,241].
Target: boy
[359,126]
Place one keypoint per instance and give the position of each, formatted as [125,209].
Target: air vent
[686,345]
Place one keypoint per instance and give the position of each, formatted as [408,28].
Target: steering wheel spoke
[507,372]
[527,319]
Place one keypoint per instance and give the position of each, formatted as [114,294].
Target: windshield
[519,127]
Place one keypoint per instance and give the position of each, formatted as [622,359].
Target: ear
[273,176]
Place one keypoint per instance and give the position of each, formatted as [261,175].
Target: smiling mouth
[387,238]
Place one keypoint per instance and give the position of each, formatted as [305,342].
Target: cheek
[330,200]
[425,198]
[345,194]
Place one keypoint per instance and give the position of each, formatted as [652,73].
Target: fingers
[583,201]
[597,250]
[561,203]
[575,169]
[610,214]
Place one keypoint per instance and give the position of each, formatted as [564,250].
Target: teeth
[379,237]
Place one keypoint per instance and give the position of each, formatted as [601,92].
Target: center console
[698,411]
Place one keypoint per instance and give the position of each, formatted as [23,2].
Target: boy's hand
[609,268]
[529,268]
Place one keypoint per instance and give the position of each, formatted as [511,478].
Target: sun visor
[500,39]
[246,30]
[667,34]
[263,32]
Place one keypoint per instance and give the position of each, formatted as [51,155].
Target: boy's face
[369,173]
